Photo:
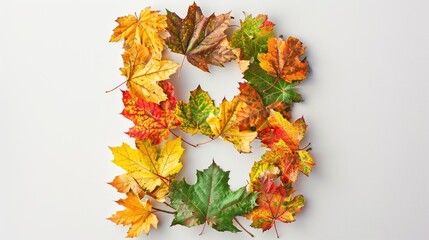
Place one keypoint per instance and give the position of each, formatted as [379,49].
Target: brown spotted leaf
[283,59]
[201,39]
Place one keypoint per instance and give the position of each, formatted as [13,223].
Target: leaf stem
[272,85]
[184,140]
[111,90]
[247,231]
[204,227]
[161,210]
[169,205]
[304,148]
[275,228]
[209,141]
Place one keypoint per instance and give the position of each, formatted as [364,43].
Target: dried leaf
[275,203]
[283,59]
[152,121]
[193,115]
[252,37]
[281,128]
[225,125]
[138,214]
[144,29]
[201,39]
[148,167]
[143,73]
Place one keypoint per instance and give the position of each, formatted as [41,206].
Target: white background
[366,103]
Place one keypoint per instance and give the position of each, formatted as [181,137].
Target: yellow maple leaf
[143,72]
[125,183]
[137,213]
[151,169]
[225,125]
[283,59]
[144,29]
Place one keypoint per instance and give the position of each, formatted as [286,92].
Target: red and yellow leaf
[152,121]
[275,203]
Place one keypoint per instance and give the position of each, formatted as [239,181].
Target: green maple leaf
[193,115]
[271,91]
[210,201]
[201,39]
[252,37]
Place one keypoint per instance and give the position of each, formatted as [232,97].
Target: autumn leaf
[281,161]
[138,214]
[307,162]
[283,59]
[151,121]
[201,39]
[193,115]
[275,203]
[252,37]
[125,184]
[144,29]
[143,72]
[152,170]
[210,201]
[225,125]
[270,90]
[254,114]
[281,128]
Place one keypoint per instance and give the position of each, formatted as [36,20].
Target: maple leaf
[281,161]
[254,114]
[275,203]
[270,90]
[210,201]
[193,115]
[125,184]
[151,169]
[138,214]
[252,37]
[283,59]
[143,72]
[225,125]
[152,121]
[281,128]
[201,39]
[144,29]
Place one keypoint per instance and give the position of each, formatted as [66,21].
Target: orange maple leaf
[283,59]
[137,213]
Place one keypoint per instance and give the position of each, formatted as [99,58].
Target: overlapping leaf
[151,121]
[252,37]
[145,29]
[271,90]
[254,113]
[281,128]
[138,214]
[225,125]
[283,59]
[152,170]
[201,39]
[281,161]
[143,72]
[193,115]
[275,203]
[210,201]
